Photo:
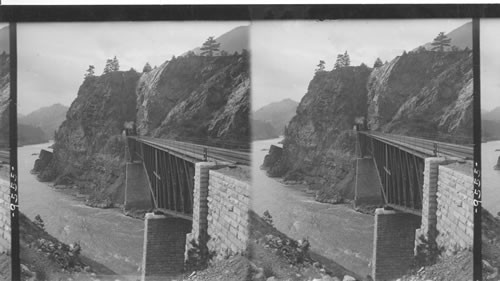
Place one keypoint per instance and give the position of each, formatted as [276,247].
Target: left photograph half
[5,241]
[134,150]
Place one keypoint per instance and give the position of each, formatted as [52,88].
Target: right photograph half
[490,147]
[362,149]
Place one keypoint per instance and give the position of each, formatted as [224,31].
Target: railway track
[199,152]
[428,148]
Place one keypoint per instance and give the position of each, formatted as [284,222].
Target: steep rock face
[426,94]
[187,97]
[4,98]
[318,138]
[196,97]
[88,146]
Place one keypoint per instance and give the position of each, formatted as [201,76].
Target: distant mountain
[4,39]
[493,115]
[48,119]
[28,134]
[461,37]
[262,130]
[232,41]
[277,114]
[490,124]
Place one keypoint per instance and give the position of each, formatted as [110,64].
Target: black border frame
[65,13]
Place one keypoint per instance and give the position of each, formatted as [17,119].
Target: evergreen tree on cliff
[378,63]
[440,42]
[147,68]
[108,67]
[338,62]
[343,60]
[90,72]
[346,59]
[321,66]
[115,64]
[210,47]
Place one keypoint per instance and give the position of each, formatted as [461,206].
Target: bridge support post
[199,233]
[393,244]
[429,200]
[164,240]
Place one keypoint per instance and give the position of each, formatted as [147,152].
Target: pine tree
[440,42]
[90,72]
[210,47]
[109,66]
[147,68]
[321,66]
[115,64]
[343,60]
[346,59]
[378,63]
[339,62]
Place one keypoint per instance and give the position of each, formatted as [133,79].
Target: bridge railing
[195,152]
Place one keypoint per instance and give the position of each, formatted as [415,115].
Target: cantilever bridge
[170,169]
[399,165]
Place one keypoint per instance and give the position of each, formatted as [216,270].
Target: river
[106,235]
[490,177]
[336,232]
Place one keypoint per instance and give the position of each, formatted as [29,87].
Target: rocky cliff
[189,97]
[426,94]
[196,97]
[4,98]
[318,139]
[89,148]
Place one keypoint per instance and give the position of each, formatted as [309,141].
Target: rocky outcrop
[4,98]
[44,159]
[319,138]
[424,94]
[196,97]
[186,98]
[89,148]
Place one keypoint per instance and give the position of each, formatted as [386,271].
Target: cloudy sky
[53,57]
[490,64]
[285,54]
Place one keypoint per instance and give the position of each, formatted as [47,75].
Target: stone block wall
[164,243]
[455,217]
[4,216]
[394,236]
[228,219]
[429,197]
[200,206]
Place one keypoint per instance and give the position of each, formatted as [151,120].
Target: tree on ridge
[440,42]
[210,47]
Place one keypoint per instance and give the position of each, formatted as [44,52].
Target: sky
[53,57]
[490,63]
[285,54]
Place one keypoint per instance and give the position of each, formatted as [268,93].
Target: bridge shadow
[259,228]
